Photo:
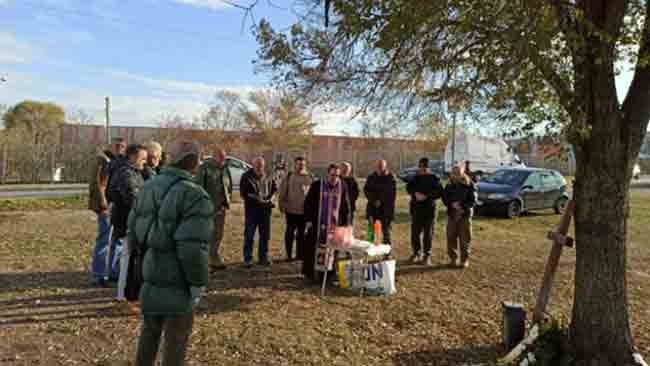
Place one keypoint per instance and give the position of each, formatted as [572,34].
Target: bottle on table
[377,232]
[370,234]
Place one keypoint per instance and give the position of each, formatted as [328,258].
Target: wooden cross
[560,240]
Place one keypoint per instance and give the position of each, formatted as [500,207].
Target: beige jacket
[293,190]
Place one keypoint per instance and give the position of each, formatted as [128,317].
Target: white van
[485,154]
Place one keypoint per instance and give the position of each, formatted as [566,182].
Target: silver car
[237,169]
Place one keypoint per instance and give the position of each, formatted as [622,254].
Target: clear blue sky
[153,57]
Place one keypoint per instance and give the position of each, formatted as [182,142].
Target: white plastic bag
[380,277]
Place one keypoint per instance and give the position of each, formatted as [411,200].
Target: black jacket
[353,192]
[129,182]
[254,189]
[148,172]
[456,192]
[112,171]
[429,185]
[382,188]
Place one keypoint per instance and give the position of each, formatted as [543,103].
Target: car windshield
[507,177]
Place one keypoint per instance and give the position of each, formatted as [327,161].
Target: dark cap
[424,162]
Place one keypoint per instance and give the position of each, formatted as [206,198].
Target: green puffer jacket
[177,254]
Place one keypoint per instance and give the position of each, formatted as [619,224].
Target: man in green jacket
[172,221]
[215,178]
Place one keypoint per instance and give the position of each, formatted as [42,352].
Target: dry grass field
[440,316]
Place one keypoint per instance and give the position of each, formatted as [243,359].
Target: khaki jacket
[293,190]
[98,181]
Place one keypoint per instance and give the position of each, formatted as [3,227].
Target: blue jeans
[101,250]
[255,220]
[114,268]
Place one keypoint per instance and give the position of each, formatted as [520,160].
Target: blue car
[517,190]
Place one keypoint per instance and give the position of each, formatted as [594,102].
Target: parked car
[436,167]
[485,154]
[517,190]
[237,168]
[636,171]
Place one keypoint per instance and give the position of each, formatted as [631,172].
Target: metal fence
[70,163]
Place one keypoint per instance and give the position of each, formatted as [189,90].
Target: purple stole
[328,218]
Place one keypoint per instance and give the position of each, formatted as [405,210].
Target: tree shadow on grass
[471,355]
[406,268]
[285,276]
[69,307]
[91,297]
[22,281]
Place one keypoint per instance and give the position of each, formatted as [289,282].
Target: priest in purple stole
[327,206]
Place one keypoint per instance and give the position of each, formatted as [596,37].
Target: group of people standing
[116,177]
[168,221]
[177,221]
[314,207]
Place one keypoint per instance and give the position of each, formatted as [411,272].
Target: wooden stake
[560,239]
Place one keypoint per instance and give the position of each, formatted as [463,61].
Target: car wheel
[560,205]
[513,210]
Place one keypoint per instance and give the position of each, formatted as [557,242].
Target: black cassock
[312,207]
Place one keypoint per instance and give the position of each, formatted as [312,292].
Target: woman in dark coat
[327,206]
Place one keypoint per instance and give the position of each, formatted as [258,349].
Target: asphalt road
[641,184]
[40,193]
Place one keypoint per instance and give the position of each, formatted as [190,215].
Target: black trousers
[295,230]
[422,232]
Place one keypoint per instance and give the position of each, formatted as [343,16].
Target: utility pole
[453,138]
[108,121]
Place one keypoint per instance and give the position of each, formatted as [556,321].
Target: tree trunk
[600,328]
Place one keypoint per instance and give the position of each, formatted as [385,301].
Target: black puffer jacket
[129,182]
[112,171]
